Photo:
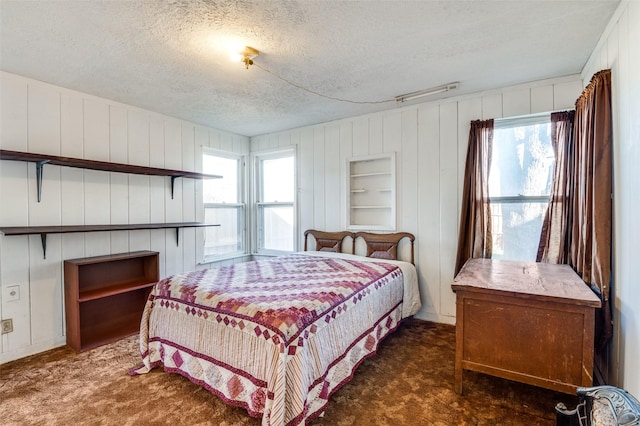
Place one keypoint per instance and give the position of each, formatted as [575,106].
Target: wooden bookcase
[105,296]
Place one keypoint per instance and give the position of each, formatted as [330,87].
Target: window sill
[209,260]
[272,253]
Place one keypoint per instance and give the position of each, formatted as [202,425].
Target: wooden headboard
[328,241]
[380,246]
[385,246]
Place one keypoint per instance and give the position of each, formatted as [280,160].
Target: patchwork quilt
[279,336]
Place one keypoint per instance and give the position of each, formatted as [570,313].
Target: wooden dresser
[523,321]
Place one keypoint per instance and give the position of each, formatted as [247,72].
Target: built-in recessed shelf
[44,230]
[41,159]
[371,174]
[371,199]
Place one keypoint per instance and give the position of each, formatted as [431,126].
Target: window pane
[223,190]
[516,230]
[277,227]
[226,238]
[278,180]
[521,161]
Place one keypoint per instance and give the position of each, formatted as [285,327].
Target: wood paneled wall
[42,118]
[618,50]
[430,141]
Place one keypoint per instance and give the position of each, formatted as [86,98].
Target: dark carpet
[408,382]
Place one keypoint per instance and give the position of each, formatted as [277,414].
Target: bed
[280,336]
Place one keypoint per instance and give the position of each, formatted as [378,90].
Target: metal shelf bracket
[39,167]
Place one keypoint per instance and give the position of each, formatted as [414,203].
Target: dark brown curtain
[590,253]
[556,226]
[577,226]
[474,239]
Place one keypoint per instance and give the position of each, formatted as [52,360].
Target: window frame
[258,206]
[241,205]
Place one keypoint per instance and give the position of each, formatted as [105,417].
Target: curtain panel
[590,251]
[557,223]
[474,238]
[577,226]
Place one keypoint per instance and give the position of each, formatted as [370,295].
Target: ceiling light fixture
[426,92]
[249,53]
[246,56]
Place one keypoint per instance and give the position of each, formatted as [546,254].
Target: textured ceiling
[172,56]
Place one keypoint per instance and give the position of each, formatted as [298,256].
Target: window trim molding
[242,204]
[256,157]
[521,120]
[520,199]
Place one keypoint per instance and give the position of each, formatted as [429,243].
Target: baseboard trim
[33,349]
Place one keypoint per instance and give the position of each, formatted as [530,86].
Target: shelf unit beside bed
[105,296]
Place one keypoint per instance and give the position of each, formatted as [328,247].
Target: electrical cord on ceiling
[313,92]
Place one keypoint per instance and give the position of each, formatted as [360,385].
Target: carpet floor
[408,382]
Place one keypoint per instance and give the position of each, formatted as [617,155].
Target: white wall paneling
[448,203]
[406,171]
[46,290]
[430,141]
[118,137]
[119,241]
[516,102]
[71,127]
[318,192]
[564,94]
[617,50]
[42,118]
[96,129]
[429,218]
[14,272]
[14,186]
[305,182]
[346,150]
[542,98]
[332,178]
[13,113]
[492,104]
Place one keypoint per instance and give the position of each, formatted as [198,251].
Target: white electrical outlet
[11,294]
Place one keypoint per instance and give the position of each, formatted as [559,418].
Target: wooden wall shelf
[42,159]
[44,230]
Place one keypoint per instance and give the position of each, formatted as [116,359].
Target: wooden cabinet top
[111,257]
[543,281]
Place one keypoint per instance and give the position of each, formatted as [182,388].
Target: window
[520,179]
[223,204]
[275,201]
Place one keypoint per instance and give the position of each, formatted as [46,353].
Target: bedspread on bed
[276,337]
